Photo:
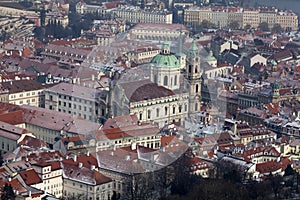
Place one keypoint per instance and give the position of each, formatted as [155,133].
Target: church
[160,91]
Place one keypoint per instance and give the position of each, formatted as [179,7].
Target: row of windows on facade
[149,112]
[7,147]
[74,106]
[22,94]
[70,98]
[27,101]
[57,192]
[79,114]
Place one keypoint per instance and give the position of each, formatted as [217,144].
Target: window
[174,109]
[149,114]
[197,88]
[166,110]
[157,112]
[165,81]
[175,80]
[141,116]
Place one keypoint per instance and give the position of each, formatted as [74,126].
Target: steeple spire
[180,41]
[193,51]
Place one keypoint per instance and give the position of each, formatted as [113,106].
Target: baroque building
[166,94]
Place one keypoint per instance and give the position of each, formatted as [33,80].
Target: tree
[141,186]
[8,192]
[247,27]
[228,171]
[276,184]
[183,180]
[264,26]
[4,35]
[234,25]
[277,28]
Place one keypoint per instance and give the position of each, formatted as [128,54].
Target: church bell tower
[193,76]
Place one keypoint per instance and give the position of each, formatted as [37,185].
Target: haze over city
[149,99]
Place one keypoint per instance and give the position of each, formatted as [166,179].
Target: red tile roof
[268,167]
[30,177]
[33,142]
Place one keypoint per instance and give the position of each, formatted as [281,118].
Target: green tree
[264,26]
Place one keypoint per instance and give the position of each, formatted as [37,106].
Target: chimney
[133,146]
[75,158]
[29,193]
[80,165]
[88,153]
[93,167]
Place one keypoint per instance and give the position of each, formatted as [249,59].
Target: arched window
[180,108]
[196,69]
[149,114]
[174,109]
[166,110]
[165,81]
[141,116]
[197,88]
[157,112]
[175,80]
[190,68]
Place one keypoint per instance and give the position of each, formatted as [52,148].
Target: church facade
[167,94]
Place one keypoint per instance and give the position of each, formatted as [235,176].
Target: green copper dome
[276,85]
[194,48]
[274,63]
[210,56]
[163,60]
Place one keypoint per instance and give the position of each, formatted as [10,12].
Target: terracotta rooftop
[30,177]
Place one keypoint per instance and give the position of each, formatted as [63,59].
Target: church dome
[165,58]
[210,57]
[162,60]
